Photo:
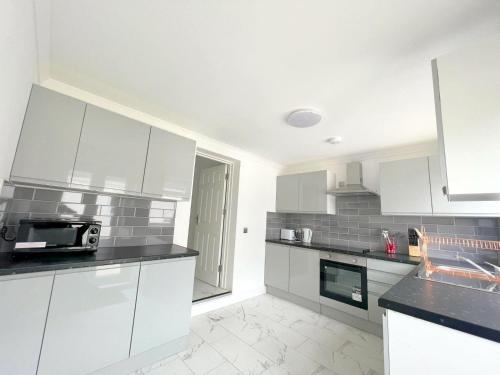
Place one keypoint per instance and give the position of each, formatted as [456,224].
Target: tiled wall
[125,221]
[358,223]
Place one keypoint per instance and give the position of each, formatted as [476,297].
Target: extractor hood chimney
[354,182]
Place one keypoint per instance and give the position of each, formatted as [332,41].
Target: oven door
[344,282]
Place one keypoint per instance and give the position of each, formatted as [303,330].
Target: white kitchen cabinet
[24,303]
[304,273]
[89,324]
[467,98]
[112,153]
[413,347]
[170,166]
[49,137]
[442,206]
[405,187]
[305,192]
[163,310]
[277,266]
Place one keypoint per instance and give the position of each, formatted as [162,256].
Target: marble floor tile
[208,328]
[286,358]
[242,356]
[269,336]
[200,356]
[175,367]
[225,369]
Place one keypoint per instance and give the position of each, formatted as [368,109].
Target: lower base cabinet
[90,319]
[163,310]
[24,304]
[277,266]
[304,273]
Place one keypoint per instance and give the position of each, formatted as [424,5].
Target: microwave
[57,235]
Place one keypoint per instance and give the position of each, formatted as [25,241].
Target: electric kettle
[307,235]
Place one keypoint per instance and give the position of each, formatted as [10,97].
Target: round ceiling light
[334,140]
[303,118]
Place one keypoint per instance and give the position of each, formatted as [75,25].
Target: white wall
[370,162]
[256,196]
[18,70]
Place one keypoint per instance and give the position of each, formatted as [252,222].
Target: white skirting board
[145,359]
[215,303]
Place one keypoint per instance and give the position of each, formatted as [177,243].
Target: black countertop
[400,258]
[10,265]
[468,310]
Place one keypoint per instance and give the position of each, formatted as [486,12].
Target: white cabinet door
[170,166]
[304,273]
[24,304]
[287,193]
[312,192]
[163,311]
[277,268]
[112,153]
[441,205]
[89,325]
[49,138]
[467,93]
[405,187]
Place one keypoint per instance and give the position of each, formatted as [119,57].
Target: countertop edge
[21,269]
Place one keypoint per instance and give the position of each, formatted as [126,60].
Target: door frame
[229,221]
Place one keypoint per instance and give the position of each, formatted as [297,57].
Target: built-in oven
[343,278]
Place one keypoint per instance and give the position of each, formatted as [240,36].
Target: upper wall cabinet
[111,154]
[415,187]
[467,97]
[305,192]
[170,166]
[287,193]
[65,142]
[405,187]
[49,139]
[441,205]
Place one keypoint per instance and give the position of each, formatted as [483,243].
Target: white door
[209,222]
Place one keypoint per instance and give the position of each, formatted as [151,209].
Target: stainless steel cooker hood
[354,182]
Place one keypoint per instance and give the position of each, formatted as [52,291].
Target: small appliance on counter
[57,235]
[304,235]
[287,234]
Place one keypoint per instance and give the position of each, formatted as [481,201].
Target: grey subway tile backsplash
[24,193]
[355,225]
[126,221]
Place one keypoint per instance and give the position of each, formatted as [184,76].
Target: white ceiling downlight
[303,118]
[334,140]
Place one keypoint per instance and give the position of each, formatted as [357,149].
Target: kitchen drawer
[391,267]
[375,312]
[344,258]
[378,288]
[384,277]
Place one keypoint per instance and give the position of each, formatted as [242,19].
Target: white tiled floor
[269,336]
[203,290]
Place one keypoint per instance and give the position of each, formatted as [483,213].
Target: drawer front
[375,287]
[344,258]
[384,277]
[391,267]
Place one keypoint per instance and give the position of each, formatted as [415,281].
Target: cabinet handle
[445,190]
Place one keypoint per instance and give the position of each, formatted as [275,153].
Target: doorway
[208,225]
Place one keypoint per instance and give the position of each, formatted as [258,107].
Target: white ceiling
[233,69]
